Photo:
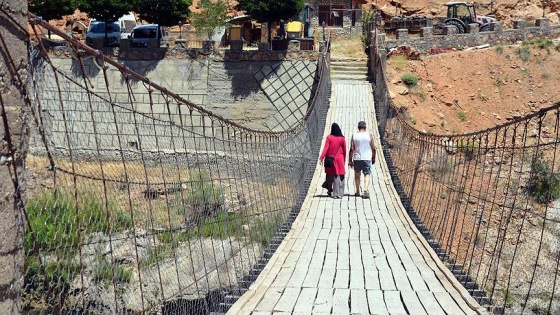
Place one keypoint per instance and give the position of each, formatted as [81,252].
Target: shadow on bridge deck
[354,255]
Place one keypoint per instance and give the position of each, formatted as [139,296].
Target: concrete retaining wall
[263,95]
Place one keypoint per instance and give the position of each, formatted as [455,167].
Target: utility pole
[13,149]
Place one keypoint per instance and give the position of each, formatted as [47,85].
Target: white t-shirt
[362,146]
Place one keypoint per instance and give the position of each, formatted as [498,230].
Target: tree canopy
[105,10]
[52,9]
[212,15]
[271,10]
[163,12]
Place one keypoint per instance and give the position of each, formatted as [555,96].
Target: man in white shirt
[361,157]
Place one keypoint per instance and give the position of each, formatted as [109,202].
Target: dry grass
[172,207]
[348,48]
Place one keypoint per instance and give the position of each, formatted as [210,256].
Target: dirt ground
[464,91]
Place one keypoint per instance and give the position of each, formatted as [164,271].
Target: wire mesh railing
[486,201]
[151,204]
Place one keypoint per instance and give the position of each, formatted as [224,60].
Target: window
[332,15]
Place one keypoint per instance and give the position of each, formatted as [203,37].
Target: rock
[391,94]
[403,90]
[429,87]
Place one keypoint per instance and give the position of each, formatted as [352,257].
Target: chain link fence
[152,205]
[486,201]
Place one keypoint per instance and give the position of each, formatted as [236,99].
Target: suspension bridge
[153,204]
[354,255]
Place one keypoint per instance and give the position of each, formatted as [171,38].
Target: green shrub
[409,79]
[399,61]
[104,272]
[544,183]
[462,116]
[440,167]
[57,224]
[264,229]
[468,147]
[524,53]
[220,226]
[55,219]
[418,90]
[499,50]
[203,191]
[541,43]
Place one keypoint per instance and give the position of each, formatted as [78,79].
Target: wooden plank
[327,277]
[386,281]
[418,284]
[448,303]
[376,302]
[393,302]
[371,279]
[312,278]
[412,303]
[341,298]
[267,304]
[358,301]
[430,303]
[304,304]
[287,301]
[323,301]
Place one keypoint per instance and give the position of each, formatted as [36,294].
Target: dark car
[96,30]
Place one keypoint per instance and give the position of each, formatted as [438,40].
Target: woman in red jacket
[335,146]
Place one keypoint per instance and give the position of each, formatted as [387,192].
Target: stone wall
[177,53]
[270,95]
[427,42]
[13,149]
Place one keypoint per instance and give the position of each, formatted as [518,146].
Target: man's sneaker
[366,195]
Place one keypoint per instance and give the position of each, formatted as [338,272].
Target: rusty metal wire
[149,203]
[486,201]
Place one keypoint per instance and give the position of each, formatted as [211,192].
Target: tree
[52,9]
[105,10]
[271,10]
[210,17]
[163,12]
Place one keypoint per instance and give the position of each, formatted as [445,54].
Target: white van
[127,23]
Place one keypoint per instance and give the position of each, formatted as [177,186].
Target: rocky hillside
[505,10]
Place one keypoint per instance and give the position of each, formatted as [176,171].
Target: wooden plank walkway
[354,255]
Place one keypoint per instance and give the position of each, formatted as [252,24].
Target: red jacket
[335,146]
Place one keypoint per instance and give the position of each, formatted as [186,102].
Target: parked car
[121,29]
[96,30]
[127,23]
[149,35]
